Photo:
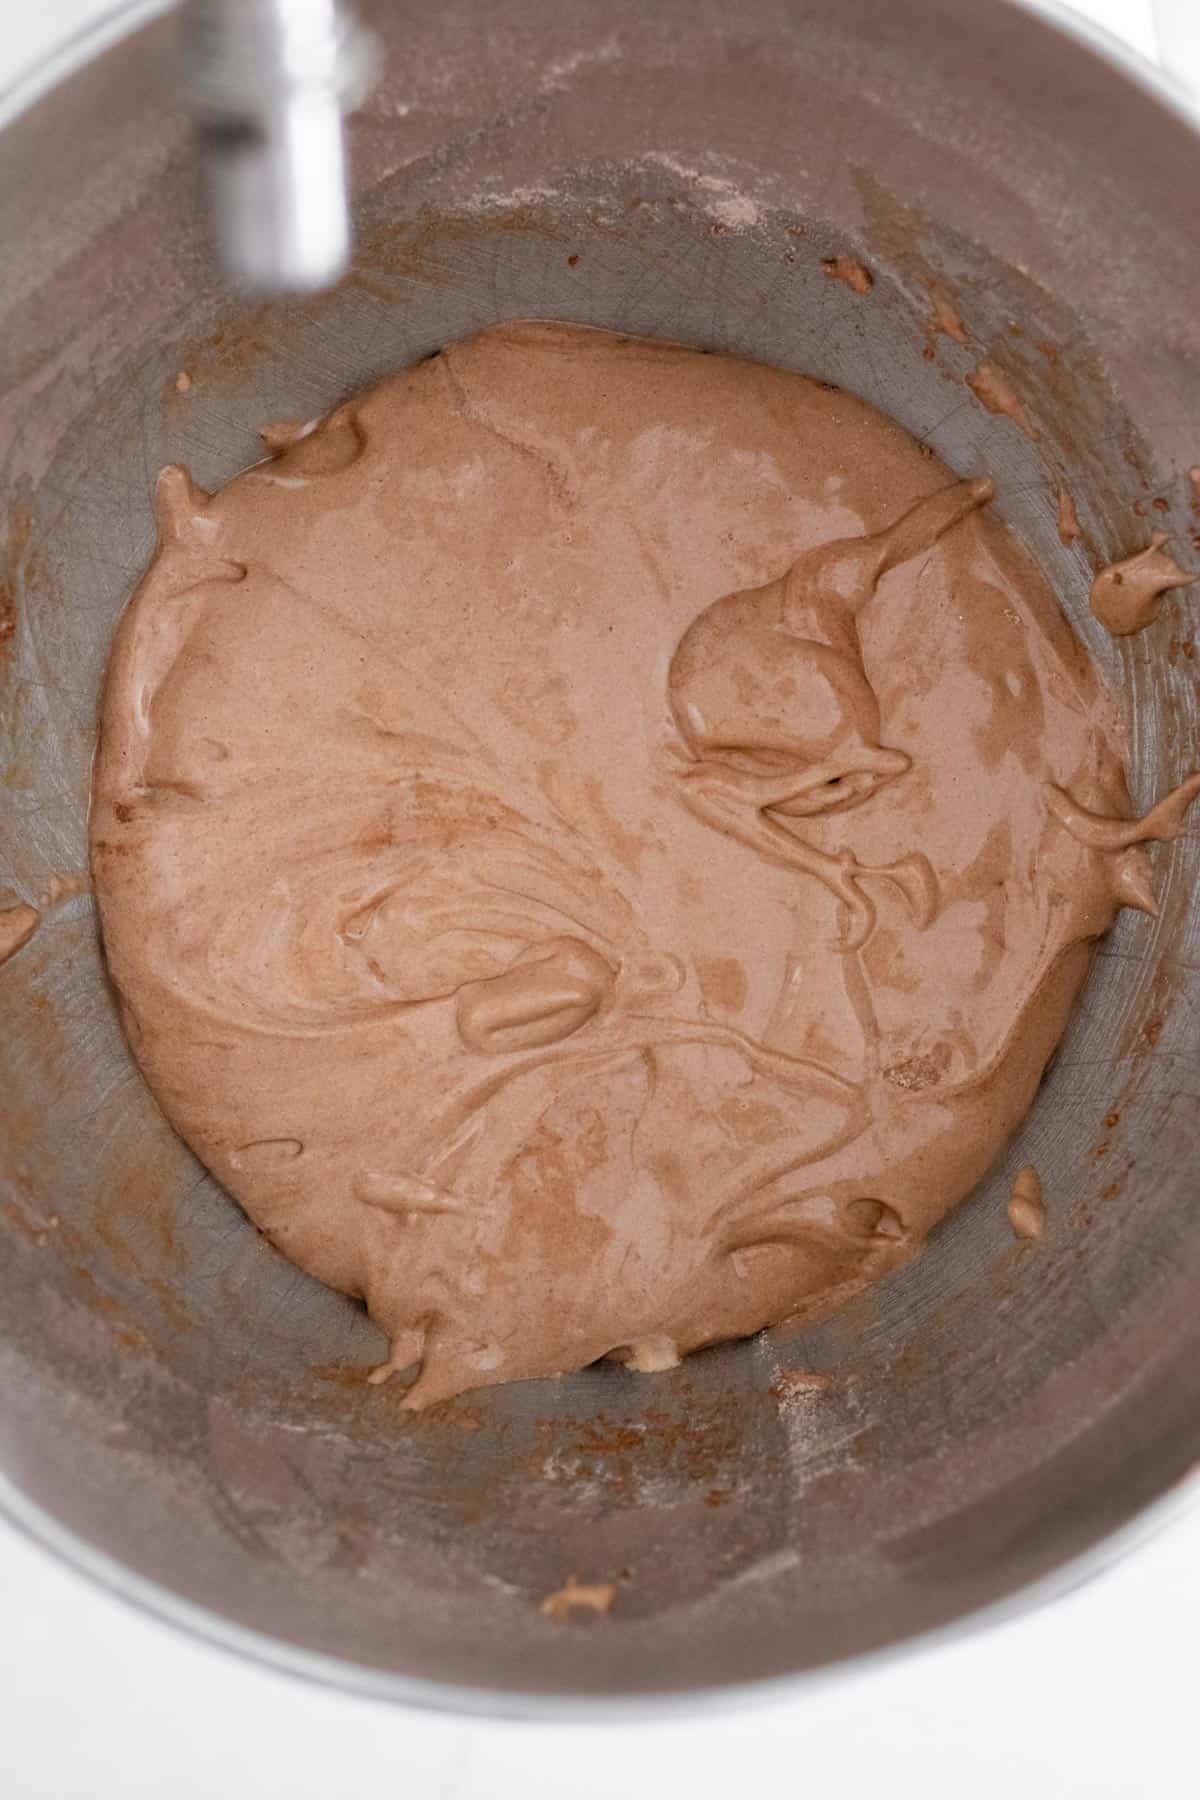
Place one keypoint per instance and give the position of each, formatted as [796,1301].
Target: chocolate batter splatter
[849,270]
[575,1596]
[1068,519]
[1026,1208]
[991,385]
[17,926]
[1127,596]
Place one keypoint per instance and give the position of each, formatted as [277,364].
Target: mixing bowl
[183,1412]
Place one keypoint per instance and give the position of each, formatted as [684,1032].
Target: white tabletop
[1094,1696]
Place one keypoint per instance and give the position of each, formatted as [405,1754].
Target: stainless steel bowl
[182,1413]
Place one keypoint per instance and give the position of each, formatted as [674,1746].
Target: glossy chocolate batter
[596,843]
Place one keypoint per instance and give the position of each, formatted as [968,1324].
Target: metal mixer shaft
[270,81]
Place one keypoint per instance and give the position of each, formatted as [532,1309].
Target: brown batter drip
[848,269]
[944,317]
[596,844]
[17,926]
[1127,596]
[991,386]
[1069,529]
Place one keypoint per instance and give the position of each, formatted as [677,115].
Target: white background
[1095,1696]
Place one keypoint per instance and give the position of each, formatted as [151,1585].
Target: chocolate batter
[1126,596]
[596,844]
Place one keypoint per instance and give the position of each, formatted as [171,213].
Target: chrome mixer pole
[269,82]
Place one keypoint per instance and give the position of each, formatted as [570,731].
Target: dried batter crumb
[575,1596]
[1026,1210]
[183,382]
[1068,519]
[855,274]
[793,1385]
[649,1356]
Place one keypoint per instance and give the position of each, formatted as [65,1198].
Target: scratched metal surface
[177,1395]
